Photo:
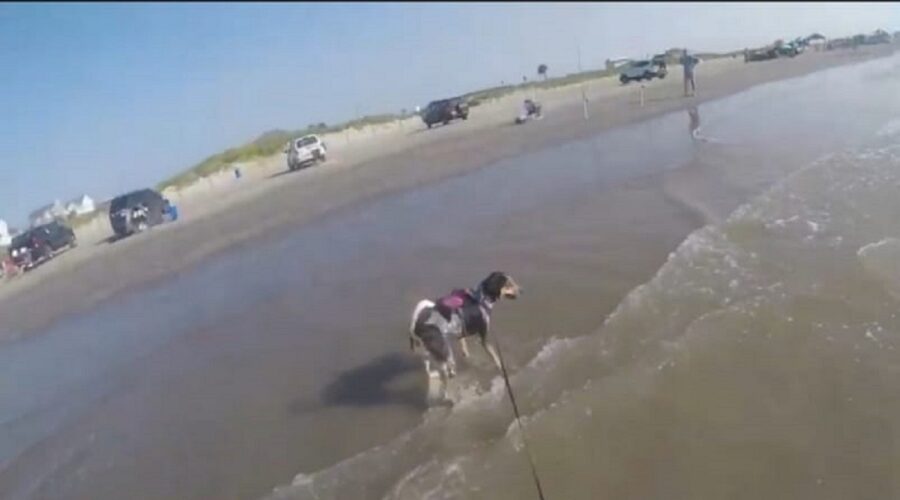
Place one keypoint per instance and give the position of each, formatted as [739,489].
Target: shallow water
[729,373]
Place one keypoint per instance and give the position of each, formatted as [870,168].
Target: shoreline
[264,359]
[382,164]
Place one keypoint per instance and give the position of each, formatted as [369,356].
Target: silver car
[643,70]
[305,150]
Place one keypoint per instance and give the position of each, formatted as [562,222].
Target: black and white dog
[461,314]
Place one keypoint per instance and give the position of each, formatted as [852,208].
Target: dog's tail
[418,315]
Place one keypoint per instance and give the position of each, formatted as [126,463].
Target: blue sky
[103,98]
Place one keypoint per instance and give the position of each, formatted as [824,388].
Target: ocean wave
[881,260]
[890,129]
[756,338]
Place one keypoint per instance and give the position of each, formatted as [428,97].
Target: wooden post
[584,100]
[584,104]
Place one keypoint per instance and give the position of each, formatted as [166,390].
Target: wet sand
[284,352]
[278,371]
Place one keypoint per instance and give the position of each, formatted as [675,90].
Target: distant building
[817,44]
[80,206]
[5,237]
[60,211]
[47,214]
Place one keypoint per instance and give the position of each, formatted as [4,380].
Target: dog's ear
[492,286]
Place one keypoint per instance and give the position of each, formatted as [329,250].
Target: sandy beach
[256,348]
[220,212]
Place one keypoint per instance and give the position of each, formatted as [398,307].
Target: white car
[643,70]
[305,150]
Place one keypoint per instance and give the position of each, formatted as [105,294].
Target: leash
[512,399]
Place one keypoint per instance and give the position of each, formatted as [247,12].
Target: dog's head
[500,285]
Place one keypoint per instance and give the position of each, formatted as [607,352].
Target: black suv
[445,110]
[136,211]
[40,244]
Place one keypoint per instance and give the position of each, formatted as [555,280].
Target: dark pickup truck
[40,244]
[139,210]
[445,110]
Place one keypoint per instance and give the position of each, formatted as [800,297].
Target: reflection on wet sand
[694,124]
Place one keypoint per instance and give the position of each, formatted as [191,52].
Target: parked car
[40,244]
[880,36]
[445,110]
[643,70]
[306,150]
[788,50]
[764,54]
[139,210]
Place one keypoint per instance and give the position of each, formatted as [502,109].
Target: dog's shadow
[386,380]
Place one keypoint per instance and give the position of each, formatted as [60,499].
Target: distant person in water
[688,62]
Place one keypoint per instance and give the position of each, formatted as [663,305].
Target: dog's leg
[464,347]
[437,387]
[493,353]
[450,364]
[415,344]
[428,371]
[414,339]
[446,373]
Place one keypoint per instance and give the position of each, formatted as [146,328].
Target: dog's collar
[482,300]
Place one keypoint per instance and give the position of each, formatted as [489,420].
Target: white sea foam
[726,281]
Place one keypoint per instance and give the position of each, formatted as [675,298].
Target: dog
[462,313]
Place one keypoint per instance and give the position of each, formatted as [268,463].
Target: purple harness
[455,299]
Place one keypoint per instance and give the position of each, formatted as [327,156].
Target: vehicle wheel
[648,76]
[623,79]
[428,124]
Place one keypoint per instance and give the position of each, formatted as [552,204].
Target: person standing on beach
[688,62]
